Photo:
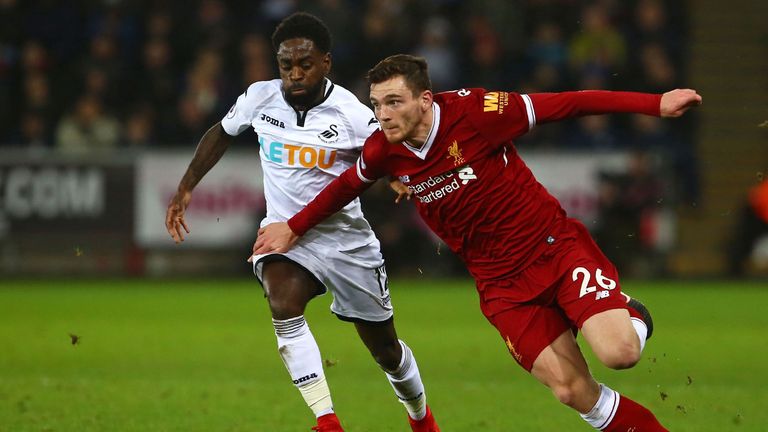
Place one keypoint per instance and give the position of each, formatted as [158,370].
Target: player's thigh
[590,295]
[359,283]
[613,338]
[589,284]
[289,287]
[290,280]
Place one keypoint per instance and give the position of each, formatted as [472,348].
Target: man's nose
[382,114]
[297,74]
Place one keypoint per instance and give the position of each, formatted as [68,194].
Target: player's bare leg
[289,288]
[613,338]
[618,336]
[400,367]
[562,368]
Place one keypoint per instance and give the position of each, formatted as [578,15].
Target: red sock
[633,417]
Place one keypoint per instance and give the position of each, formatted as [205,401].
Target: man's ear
[426,100]
[327,63]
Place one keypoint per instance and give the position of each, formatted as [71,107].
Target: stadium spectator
[656,136]
[37,94]
[539,275]
[650,24]
[326,126]
[341,18]
[35,132]
[435,46]
[139,130]
[548,56]
[88,130]
[158,85]
[599,48]
[256,55]
[629,203]
[486,53]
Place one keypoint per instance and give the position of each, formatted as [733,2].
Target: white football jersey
[301,152]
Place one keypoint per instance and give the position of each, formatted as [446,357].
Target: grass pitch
[141,355]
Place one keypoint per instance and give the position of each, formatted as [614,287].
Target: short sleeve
[240,116]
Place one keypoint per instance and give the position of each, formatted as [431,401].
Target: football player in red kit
[539,275]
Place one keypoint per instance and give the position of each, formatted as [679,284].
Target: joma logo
[305,378]
[272,121]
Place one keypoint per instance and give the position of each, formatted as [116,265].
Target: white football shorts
[356,278]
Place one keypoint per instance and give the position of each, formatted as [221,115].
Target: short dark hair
[412,68]
[303,25]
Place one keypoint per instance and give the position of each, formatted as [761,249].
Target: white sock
[641,329]
[602,413]
[301,357]
[407,384]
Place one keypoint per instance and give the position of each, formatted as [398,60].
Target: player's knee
[387,355]
[284,308]
[567,394]
[622,355]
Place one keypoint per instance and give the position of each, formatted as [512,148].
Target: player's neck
[421,131]
[319,96]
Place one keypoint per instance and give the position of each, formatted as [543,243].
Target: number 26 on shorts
[604,282]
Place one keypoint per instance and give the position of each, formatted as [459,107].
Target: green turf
[200,356]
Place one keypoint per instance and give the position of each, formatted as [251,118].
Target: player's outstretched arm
[550,107]
[279,237]
[210,149]
[676,102]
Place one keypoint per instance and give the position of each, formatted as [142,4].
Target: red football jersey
[471,186]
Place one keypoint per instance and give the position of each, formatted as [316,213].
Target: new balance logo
[602,294]
[329,135]
[305,378]
[272,121]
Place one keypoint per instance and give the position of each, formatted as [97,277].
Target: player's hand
[676,102]
[401,190]
[274,238]
[174,216]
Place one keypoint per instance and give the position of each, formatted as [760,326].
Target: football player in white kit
[310,131]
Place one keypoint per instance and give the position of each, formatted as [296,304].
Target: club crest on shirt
[455,152]
[513,351]
[329,135]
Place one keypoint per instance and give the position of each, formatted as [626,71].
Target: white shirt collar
[421,153]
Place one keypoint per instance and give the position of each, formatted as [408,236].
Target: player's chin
[393,135]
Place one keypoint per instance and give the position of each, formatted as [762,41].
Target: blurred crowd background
[87,77]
